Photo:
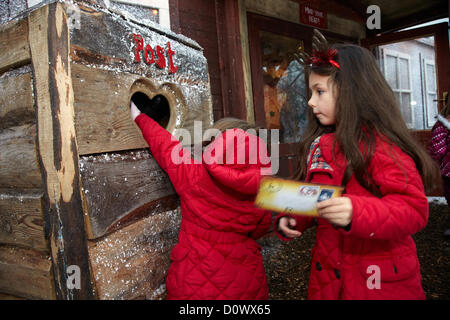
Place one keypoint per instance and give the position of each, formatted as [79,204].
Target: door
[280,89]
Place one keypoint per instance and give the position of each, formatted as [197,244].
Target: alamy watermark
[374,280]
[73,277]
[237,149]
[374,20]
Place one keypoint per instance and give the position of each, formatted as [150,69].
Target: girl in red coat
[216,256]
[356,137]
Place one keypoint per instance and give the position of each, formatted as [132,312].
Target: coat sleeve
[167,151]
[401,210]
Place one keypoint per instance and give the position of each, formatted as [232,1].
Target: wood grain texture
[120,188]
[26,273]
[58,156]
[19,168]
[22,220]
[16,100]
[132,263]
[102,116]
[14,48]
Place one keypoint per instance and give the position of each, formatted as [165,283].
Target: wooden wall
[25,260]
[78,185]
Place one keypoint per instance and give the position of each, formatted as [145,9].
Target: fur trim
[444,121]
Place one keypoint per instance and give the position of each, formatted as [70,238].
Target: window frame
[400,55]
[430,119]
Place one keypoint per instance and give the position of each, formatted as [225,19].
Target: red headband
[319,58]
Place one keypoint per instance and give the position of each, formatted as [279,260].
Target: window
[430,91]
[397,71]
[410,69]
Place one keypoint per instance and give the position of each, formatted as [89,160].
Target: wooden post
[58,152]
[230,59]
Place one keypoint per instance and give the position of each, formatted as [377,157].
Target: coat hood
[237,159]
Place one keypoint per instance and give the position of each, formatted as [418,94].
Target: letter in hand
[338,211]
[134,110]
[287,226]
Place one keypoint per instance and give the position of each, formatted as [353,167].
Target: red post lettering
[139,46]
[146,50]
[161,62]
[173,68]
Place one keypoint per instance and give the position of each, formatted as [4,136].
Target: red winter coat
[217,256]
[345,264]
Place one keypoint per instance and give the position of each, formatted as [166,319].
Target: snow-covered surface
[437,200]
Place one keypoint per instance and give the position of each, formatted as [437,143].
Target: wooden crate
[78,186]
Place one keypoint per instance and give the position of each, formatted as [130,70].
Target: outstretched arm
[165,148]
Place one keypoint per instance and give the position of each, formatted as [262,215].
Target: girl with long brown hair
[356,137]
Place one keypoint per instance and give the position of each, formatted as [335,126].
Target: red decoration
[161,62]
[139,46]
[147,49]
[172,68]
[319,58]
[161,59]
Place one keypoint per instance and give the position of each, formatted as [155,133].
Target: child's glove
[134,111]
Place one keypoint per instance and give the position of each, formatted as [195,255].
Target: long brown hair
[366,107]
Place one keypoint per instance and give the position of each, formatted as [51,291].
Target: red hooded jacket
[376,258]
[216,256]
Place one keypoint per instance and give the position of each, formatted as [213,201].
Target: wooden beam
[22,220]
[19,168]
[103,121]
[14,48]
[230,59]
[132,263]
[436,12]
[16,100]
[26,273]
[120,188]
[58,155]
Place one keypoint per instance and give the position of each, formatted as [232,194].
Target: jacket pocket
[390,268]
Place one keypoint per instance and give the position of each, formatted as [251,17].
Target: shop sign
[313,17]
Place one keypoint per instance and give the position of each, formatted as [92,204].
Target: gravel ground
[288,264]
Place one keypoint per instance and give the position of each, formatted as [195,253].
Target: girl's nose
[311,103]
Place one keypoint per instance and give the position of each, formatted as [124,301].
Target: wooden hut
[85,211]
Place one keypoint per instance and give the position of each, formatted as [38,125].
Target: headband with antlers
[322,53]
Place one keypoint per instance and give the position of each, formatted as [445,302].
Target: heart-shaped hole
[157,108]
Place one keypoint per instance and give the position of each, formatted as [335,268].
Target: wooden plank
[103,121]
[26,273]
[22,220]
[4,296]
[120,188]
[19,168]
[230,53]
[14,48]
[58,156]
[132,263]
[16,100]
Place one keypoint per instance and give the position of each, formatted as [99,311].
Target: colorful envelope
[293,197]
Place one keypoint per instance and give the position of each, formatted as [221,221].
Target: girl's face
[323,100]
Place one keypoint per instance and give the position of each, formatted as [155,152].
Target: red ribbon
[320,58]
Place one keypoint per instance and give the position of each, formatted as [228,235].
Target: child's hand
[338,211]
[134,111]
[284,224]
